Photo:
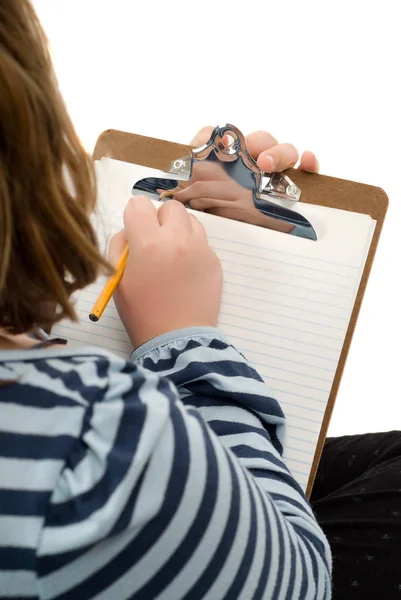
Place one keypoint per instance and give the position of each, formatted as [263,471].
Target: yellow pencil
[109,288]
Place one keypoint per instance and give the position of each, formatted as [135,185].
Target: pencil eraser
[93,317]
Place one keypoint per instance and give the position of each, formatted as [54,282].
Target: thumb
[116,246]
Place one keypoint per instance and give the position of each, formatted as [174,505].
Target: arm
[159,506]
[215,381]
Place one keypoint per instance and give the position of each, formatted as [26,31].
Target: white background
[322,75]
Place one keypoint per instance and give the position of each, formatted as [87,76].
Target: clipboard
[316,189]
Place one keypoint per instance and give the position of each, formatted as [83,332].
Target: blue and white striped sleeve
[177,489]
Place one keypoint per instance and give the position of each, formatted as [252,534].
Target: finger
[116,246]
[140,219]
[205,189]
[278,158]
[259,142]
[170,193]
[174,216]
[166,193]
[202,136]
[197,226]
[309,162]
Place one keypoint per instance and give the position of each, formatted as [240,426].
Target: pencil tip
[93,317]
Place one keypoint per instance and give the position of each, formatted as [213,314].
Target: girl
[156,477]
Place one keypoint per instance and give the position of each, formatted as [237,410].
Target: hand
[173,279]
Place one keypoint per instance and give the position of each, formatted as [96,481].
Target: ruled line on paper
[295,256]
[263,269]
[248,319]
[279,304]
[285,294]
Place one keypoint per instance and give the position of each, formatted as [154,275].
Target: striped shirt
[158,477]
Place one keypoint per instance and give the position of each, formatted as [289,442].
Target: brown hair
[48,247]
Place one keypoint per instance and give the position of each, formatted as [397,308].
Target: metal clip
[182,168]
[275,184]
[281,186]
[249,194]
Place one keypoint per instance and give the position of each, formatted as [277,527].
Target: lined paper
[286,303]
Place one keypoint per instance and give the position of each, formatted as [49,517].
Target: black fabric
[357,501]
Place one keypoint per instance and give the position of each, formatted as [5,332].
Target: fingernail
[166,194]
[270,162]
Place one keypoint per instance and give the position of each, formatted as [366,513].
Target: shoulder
[67,377]
[53,400]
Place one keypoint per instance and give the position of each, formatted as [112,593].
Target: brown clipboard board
[316,189]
